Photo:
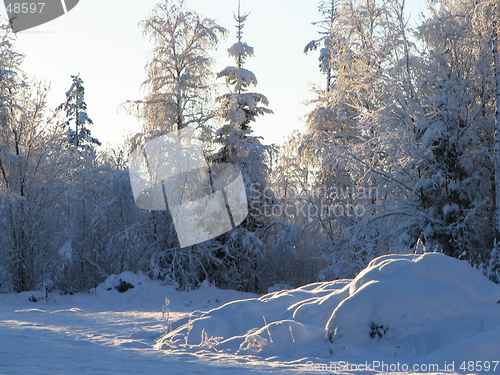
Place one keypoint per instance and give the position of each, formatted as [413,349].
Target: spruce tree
[76,113]
[328,10]
[241,248]
[239,108]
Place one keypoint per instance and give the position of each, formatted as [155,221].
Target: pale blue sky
[101,40]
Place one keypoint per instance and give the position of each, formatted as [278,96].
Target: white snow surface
[402,309]
[240,49]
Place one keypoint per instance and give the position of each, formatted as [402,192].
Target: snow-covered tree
[30,164]
[487,28]
[13,238]
[76,114]
[453,134]
[327,40]
[493,269]
[179,93]
[348,144]
[495,36]
[81,189]
[178,85]
[415,125]
[238,109]
[12,86]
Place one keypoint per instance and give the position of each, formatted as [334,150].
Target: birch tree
[178,86]
[28,165]
[178,93]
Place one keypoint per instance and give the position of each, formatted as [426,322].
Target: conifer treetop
[76,112]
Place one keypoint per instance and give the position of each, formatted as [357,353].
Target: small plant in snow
[167,324]
[255,342]
[291,334]
[209,342]
[124,286]
[190,327]
[378,331]
[267,328]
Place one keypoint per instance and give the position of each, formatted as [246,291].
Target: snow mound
[406,306]
[400,306]
[273,323]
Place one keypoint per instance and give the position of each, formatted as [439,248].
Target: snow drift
[401,306]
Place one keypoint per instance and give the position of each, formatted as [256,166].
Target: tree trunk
[496,60]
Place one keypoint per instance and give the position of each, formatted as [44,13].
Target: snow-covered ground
[402,312]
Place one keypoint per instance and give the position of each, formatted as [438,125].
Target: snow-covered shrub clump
[400,306]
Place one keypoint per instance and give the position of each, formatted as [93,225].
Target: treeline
[401,154]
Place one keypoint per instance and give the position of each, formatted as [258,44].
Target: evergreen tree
[487,27]
[238,109]
[452,135]
[76,112]
[241,249]
[328,35]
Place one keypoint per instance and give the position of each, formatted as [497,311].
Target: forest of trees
[401,153]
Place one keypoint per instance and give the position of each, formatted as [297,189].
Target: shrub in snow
[166,316]
[288,257]
[124,286]
[378,330]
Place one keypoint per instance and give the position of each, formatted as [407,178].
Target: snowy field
[405,312]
